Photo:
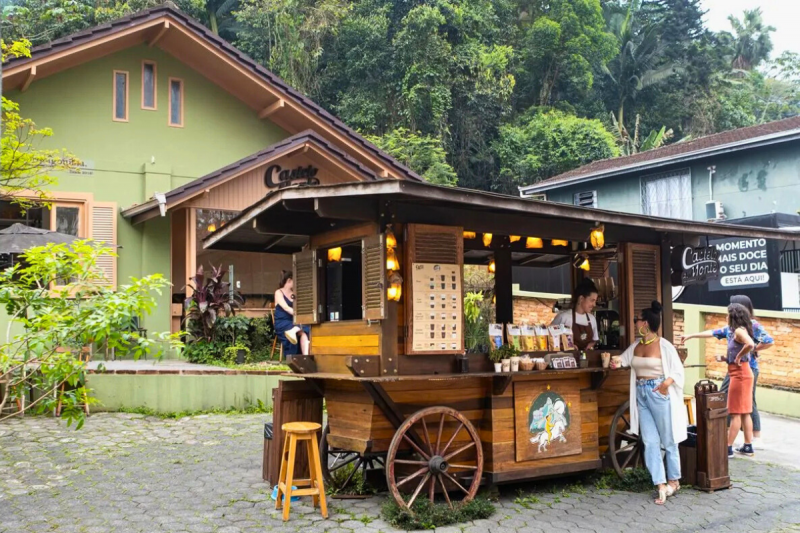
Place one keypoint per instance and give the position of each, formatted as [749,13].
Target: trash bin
[712,437]
[265,468]
[688,452]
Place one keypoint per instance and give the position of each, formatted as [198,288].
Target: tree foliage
[462,80]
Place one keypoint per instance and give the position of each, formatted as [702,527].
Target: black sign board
[743,264]
[275,177]
[691,266]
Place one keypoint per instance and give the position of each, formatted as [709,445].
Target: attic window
[149,74]
[176,102]
[120,96]
[585,199]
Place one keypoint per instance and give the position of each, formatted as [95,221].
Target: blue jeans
[655,429]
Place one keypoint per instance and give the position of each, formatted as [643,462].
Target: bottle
[584,361]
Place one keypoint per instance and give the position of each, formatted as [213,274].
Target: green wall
[130,160]
[748,183]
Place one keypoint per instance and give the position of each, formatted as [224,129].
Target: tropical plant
[476,325]
[752,40]
[630,145]
[211,298]
[59,323]
[423,154]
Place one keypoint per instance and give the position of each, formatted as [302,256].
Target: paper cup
[606,359]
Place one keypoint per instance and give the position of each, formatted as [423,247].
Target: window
[668,194]
[176,102]
[343,283]
[585,199]
[149,81]
[120,96]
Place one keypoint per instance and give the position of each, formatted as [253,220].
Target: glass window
[120,96]
[148,85]
[668,195]
[68,220]
[175,102]
[11,213]
[343,283]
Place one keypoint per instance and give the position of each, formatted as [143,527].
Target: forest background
[491,94]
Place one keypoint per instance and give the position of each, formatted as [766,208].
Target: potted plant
[495,356]
[504,354]
[237,353]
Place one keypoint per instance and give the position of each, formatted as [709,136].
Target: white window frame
[683,203]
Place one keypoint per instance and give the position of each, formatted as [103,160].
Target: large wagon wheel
[625,448]
[434,464]
[335,460]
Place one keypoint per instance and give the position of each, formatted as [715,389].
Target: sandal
[662,496]
[673,490]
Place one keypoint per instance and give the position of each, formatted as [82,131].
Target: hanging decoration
[392,264]
[581,262]
[597,237]
[391,240]
[487,239]
[212,228]
[394,288]
[534,242]
[514,238]
[559,242]
[334,255]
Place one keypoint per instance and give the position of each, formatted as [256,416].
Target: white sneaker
[291,335]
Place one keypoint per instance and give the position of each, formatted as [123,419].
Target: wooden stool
[687,401]
[294,432]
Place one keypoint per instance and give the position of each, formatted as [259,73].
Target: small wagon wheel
[625,448]
[440,460]
[335,460]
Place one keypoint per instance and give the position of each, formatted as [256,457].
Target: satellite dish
[677,291]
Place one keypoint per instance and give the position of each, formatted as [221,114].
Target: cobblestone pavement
[130,473]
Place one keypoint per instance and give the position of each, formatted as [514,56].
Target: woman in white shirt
[580,318]
[656,400]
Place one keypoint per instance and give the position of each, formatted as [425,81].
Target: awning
[313,210]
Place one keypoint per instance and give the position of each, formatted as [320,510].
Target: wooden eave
[222,64]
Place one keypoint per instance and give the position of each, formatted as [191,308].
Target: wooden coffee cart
[399,395]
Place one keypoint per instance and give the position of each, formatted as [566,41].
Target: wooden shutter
[104,230]
[432,244]
[373,277]
[643,272]
[306,291]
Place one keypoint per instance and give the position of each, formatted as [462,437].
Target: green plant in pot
[238,353]
[501,357]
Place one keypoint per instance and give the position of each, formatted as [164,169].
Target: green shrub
[203,352]
[430,516]
[635,480]
[260,335]
[232,351]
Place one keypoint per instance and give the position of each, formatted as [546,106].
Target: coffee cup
[606,359]
[616,361]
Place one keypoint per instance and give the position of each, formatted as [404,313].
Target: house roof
[192,43]
[727,141]
[312,210]
[291,144]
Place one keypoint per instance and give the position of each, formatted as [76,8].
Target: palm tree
[639,63]
[752,43]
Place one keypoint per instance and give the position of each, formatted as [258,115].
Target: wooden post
[666,289]
[504,306]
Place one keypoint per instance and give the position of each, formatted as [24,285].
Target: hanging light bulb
[558,242]
[470,235]
[392,264]
[391,240]
[492,266]
[395,289]
[581,262]
[514,238]
[212,228]
[534,242]
[334,255]
[597,237]
[487,239]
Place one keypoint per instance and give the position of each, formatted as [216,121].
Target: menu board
[437,309]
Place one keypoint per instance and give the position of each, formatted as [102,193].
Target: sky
[782,14]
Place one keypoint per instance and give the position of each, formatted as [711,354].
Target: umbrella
[18,237]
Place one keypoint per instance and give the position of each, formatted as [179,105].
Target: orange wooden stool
[294,432]
[687,401]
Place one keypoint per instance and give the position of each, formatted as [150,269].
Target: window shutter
[306,292]
[104,230]
[585,199]
[373,277]
[643,270]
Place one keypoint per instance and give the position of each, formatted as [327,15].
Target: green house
[177,132]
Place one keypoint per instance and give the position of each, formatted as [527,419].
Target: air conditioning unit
[715,211]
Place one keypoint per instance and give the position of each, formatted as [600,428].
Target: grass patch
[429,515]
[358,484]
[252,409]
[526,501]
[635,480]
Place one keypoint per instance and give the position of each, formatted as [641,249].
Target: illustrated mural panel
[548,419]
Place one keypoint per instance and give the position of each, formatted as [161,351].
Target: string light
[558,242]
[334,255]
[391,240]
[582,262]
[395,289]
[597,237]
[470,235]
[212,228]
[514,238]
[534,242]
[392,264]
[492,266]
[487,239]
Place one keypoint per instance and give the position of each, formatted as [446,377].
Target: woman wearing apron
[580,317]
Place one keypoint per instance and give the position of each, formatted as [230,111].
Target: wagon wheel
[625,448]
[335,459]
[441,463]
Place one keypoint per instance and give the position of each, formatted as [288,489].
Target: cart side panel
[332,342]
[613,393]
